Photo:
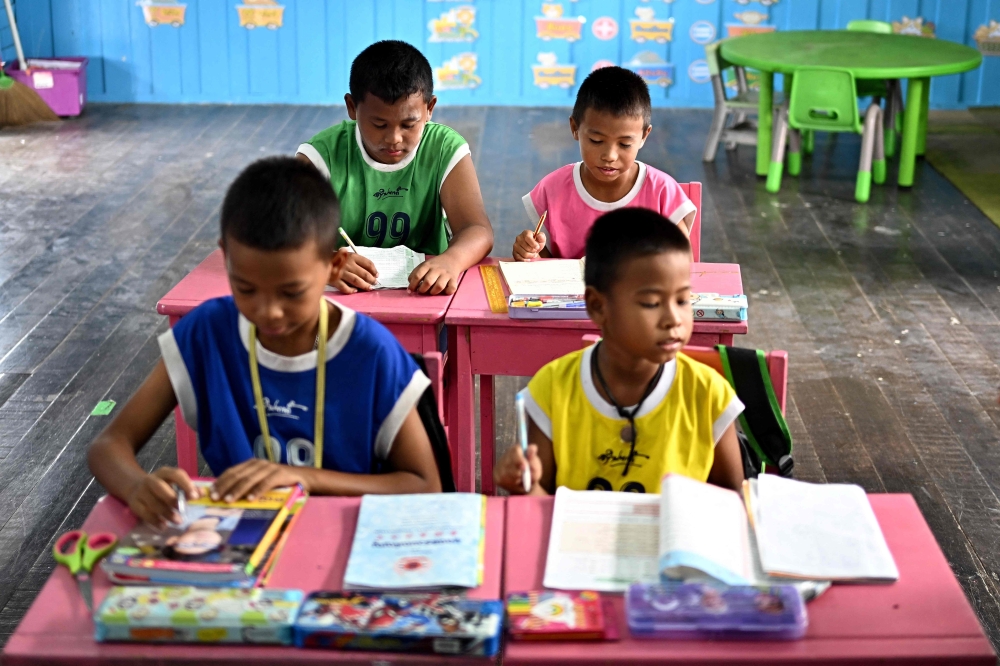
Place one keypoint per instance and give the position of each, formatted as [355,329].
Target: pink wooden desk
[923,618]
[57,629]
[415,320]
[487,344]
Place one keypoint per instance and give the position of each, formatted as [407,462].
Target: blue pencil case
[701,611]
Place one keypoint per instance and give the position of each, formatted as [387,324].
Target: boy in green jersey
[401,179]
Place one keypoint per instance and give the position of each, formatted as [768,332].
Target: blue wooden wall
[211,58]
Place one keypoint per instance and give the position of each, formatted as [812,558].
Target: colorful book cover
[197,615]
[546,615]
[417,541]
[719,307]
[436,623]
[214,540]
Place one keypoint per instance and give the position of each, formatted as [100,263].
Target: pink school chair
[433,365]
[693,192]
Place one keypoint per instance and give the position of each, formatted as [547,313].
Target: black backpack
[763,434]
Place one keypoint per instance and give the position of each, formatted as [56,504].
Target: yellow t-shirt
[678,426]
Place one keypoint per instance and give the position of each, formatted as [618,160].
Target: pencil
[522,433]
[538,227]
[351,243]
[273,530]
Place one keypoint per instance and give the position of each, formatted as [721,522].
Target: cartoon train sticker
[988,38]
[162,13]
[458,73]
[553,25]
[548,72]
[647,27]
[653,69]
[261,14]
[751,23]
[914,26]
[454,25]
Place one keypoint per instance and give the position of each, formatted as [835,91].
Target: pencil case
[701,611]
[428,623]
[197,615]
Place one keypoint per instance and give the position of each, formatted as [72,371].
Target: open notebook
[394,265]
[547,277]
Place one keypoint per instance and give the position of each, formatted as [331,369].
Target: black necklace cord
[623,412]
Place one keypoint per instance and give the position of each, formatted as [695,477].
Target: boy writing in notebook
[400,178]
[611,121]
[283,386]
[621,414]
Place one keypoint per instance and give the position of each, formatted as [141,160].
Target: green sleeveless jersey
[385,205]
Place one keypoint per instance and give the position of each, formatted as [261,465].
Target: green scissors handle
[78,553]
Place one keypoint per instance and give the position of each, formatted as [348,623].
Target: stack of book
[551,289]
[216,544]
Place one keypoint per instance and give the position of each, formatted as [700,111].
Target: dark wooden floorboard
[890,311]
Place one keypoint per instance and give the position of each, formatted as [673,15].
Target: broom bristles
[20,105]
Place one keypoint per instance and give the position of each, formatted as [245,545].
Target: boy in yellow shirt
[624,412]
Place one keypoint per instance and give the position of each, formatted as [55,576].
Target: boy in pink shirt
[611,120]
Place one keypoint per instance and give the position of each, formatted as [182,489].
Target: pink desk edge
[924,617]
[56,628]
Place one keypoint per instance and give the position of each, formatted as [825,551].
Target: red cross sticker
[605,28]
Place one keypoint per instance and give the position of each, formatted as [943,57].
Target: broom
[19,104]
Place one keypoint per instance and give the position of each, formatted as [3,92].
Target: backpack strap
[762,421]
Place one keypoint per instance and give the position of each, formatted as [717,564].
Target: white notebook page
[602,540]
[394,265]
[827,531]
[550,277]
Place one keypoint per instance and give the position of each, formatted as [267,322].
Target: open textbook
[694,531]
[547,277]
[394,265]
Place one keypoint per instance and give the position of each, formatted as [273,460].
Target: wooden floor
[889,311]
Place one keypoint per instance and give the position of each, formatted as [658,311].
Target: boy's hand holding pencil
[509,472]
[529,244]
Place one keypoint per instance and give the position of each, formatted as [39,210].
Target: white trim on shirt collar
[605,206]
[306,361]
[604,407]
[386,168]
[310,151]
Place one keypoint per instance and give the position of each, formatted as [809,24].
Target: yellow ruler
[494,289]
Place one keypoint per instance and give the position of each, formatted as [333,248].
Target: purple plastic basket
[57,81]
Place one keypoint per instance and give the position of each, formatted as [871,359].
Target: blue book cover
[405,542]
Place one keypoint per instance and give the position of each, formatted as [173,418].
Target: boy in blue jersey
[400,178]
[250,371]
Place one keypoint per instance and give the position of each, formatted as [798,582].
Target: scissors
[79,554]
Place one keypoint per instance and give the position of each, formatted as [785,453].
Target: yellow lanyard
[258,394]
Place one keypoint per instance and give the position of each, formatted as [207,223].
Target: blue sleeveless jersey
[371,385]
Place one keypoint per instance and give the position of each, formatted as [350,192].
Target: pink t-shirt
[572,210]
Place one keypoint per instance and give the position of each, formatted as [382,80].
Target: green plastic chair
[826,100]
[739,107]
[891,91]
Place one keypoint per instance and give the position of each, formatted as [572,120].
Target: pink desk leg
[487,433]
[187,445]
[461,409]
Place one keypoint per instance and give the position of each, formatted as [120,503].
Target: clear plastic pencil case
[700,611]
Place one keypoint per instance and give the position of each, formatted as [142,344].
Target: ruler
[494,289]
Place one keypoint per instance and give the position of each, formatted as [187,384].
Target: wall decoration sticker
[548,72]
[458,73]
[261,14]
[647,26]
[702,32]
[454,25]
[766,3]
[653,69]
[913,26]
[605,28]
[750,22]
[988,38]
[601,63]
[165,12]
[553,25]
[698,71]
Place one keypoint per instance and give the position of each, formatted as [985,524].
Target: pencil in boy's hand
[522,433]
[350,242]
[541,220]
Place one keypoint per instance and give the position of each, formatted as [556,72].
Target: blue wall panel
[529,52]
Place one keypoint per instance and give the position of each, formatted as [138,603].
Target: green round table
[868,56]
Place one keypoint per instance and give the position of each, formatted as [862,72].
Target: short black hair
[615,90]
[390,70]
[279,203]
[624,234]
